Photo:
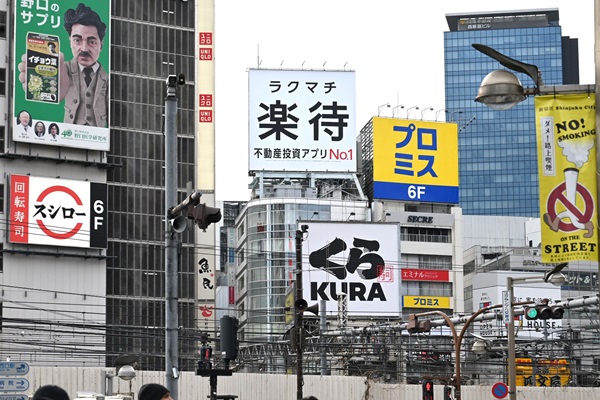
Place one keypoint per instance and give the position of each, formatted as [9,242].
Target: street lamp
[557,279]
[381,106]
[425,110]
[396,108]
[438,113]
[502,90]
[452,117]
[408,110]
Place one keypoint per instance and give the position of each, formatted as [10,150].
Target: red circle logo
[42,225]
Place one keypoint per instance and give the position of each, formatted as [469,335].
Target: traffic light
[205,357]
[416,326]
[544,311]
[427,389]
[204,215]
[229,339]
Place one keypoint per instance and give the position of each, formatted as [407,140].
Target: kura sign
[359,260]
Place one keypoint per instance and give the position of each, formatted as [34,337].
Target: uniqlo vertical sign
[301,120]
[205,53]
[57,212]
[205,38]
[205,116]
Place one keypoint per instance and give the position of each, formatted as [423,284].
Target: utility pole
[171,240]
[202,215]
[299,319]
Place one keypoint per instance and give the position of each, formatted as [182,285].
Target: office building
[497,149]
[101,296]
[150,41]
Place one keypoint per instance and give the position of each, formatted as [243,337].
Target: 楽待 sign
[302,121]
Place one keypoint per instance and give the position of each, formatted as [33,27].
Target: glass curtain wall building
[151,39]
[497,149]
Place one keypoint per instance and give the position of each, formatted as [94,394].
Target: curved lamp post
[382,106]
[396,108]
[502,90]
[408,110]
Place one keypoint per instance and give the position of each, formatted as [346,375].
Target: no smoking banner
[566,135]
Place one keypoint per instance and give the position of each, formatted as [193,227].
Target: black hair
[53,125]
[84,15]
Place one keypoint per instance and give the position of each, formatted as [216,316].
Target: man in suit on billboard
[83,81]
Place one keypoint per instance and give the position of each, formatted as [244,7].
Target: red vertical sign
[231,295]
[19,209]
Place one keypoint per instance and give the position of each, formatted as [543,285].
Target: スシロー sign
[57,212]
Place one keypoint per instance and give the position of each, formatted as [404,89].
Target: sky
[395,48]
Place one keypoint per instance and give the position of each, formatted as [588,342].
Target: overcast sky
[395,47]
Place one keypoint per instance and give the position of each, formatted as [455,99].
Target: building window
[1,198]
[240,256]
[1,262]
[436,289]
[419,234]
[2,138]
[3,24]
[3,81]
[432,261]
[468,292]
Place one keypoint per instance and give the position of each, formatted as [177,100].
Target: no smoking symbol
[555,220]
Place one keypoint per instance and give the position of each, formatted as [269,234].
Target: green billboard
[61,81]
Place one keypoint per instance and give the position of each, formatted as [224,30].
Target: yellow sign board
[426,302]
[542,373]
[566,130]
[415,160]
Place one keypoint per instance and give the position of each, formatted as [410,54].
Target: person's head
[53,129]
[86,33]
[50,392]
[40,127]
[52,47]
[154,391]
[24,118]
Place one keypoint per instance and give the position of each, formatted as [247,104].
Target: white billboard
[302,120]
[57,212]
[358,259]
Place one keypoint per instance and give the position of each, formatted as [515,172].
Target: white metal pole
[512,369]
